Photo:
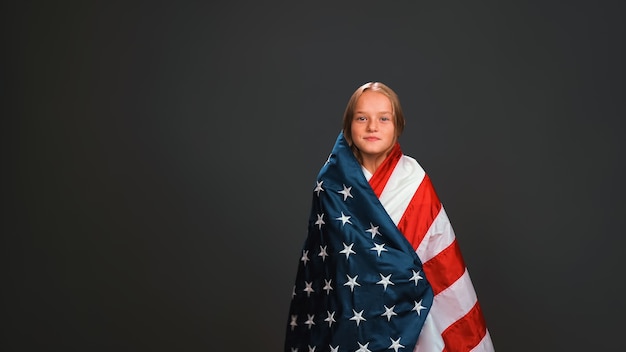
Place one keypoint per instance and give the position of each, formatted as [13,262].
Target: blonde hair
[348,115]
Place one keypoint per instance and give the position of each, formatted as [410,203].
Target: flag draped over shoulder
[380,268]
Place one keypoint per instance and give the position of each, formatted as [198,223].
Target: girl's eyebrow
[380,112]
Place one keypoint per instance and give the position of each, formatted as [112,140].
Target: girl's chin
[374,153]
[374,148]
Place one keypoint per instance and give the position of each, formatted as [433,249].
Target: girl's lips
[371,139]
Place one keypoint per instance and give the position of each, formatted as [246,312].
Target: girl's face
[373,127]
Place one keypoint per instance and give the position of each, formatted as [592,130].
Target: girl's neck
[372,163]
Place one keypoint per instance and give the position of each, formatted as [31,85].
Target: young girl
[380,268]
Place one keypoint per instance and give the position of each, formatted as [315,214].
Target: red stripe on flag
[420,213]
[465,333]
[384,171]
[445,268]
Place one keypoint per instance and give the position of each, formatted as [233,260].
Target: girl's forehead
[373,100]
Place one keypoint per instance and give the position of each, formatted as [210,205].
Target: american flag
[380,268]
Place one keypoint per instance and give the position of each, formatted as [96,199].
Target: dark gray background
[159,160]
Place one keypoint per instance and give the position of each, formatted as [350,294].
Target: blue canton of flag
[360,286]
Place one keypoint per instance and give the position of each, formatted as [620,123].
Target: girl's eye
[360,118]
[384,118]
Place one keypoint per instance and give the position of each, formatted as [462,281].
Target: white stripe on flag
[439,236]
[401,186]
[448,306]
[454,302]
[430,339]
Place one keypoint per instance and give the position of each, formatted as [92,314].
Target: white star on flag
[305,256]
[385,280]
[318,187]
[347,250]
[346,192]
[373,230]
[330,319]
[418,307]
[334,349]
[378,248]
[363,348]
[323,253]
[320,220]
[389,312]
[293,322]
[310,321]
[358,317]
[352,282]
[311,349]
[395,344]
[416,276]
[327,286]
[308,289]
[344,219]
